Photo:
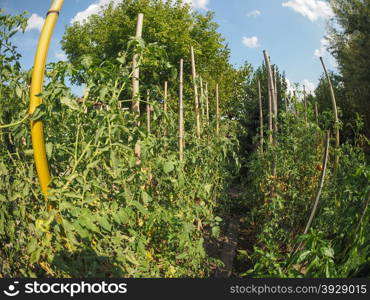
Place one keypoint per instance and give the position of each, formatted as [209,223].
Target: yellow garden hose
[37,130]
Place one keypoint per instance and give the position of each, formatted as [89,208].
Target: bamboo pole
[321,185]
[273,104]
[271,97]
[196,100]
[181,113]
[261,115]
[275,98]
[333,102]
[148,108]
[37,127]
[136,69]
[135,84]
[217,111]
[207,104]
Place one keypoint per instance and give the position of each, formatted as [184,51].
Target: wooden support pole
[181,113]
[321,185]
[136,70]
[261,115]
[217,111]
[207,104]
[196,99]
[135,85]
[333,101]
[270,82]
[316,113]
[148,108]
[275,99]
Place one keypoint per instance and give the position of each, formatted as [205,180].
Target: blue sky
[292,31]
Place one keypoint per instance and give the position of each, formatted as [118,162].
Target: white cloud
[93,9]
[35,22]
[325,54]
[309,86]
[254,13]
[322,51]
[61,56]
[96,8]
[200,4]
[312,9]
[251,42]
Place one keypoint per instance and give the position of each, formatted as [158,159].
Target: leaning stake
[37,130]
[318,193]
[333,102]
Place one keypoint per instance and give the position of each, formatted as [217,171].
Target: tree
[350,45]
[171,24]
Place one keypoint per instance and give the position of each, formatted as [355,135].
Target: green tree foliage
[171,24]
[350,45]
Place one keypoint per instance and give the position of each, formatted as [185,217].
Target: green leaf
[182,256]
[35,256]
[39,112]
[140,207]
[168,167]
[72,104]
[145,197]
[87,61]
[49,149]
[32,246]
[104,223]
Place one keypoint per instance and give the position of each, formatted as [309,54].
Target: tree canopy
[350,45]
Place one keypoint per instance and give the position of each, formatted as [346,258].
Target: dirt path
[236,234]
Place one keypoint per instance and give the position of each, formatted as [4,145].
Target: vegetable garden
[141,167]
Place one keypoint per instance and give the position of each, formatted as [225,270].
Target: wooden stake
[333,102]
[135,85]
[217,112]
[148,108]
[181,113]
[321,185]
[136,70]
[196,100]
[316,113]
[207,104]
[275,99]
[271,96]
[261,115]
